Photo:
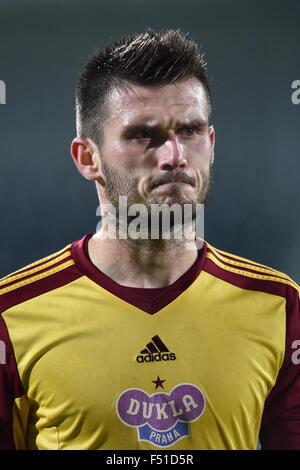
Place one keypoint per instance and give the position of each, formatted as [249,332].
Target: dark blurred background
[253,51]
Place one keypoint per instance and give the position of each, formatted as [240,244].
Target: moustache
[172,178]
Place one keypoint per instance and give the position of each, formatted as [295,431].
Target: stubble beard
[120,184]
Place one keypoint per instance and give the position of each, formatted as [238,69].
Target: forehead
[180,101]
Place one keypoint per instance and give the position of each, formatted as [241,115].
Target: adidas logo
[155,351]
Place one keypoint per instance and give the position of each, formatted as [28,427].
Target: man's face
[157,146]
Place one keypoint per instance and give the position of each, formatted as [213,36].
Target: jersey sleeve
[280,426]
[13,411]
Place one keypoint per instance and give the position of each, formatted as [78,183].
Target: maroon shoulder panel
[36,288]
[10,388]
[38,264]
[251,267]
[244,281]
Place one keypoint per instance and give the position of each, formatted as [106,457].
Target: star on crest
[158,382]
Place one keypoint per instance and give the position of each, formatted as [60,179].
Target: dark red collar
[150,300]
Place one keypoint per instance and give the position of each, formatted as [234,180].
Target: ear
[86,157]
[212,137]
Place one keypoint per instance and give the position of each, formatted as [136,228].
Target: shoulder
[44,275]
[248,274]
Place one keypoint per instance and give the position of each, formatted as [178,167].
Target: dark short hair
[145,59]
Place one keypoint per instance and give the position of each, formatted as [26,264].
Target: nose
[170,153]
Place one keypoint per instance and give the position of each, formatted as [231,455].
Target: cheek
[114,152]
[122,156]
[199,152]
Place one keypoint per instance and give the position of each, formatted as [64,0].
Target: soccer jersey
[209,362]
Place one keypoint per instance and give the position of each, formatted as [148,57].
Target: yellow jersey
[209,362]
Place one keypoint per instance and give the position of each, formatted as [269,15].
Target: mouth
[170,184]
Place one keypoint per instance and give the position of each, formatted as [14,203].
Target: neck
[143,262]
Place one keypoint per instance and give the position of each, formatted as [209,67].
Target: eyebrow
[133,127]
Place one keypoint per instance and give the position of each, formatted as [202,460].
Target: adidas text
[156,357]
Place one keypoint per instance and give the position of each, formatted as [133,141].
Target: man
[148,342]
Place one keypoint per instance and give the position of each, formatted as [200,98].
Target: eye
[188,131]
[141,134]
